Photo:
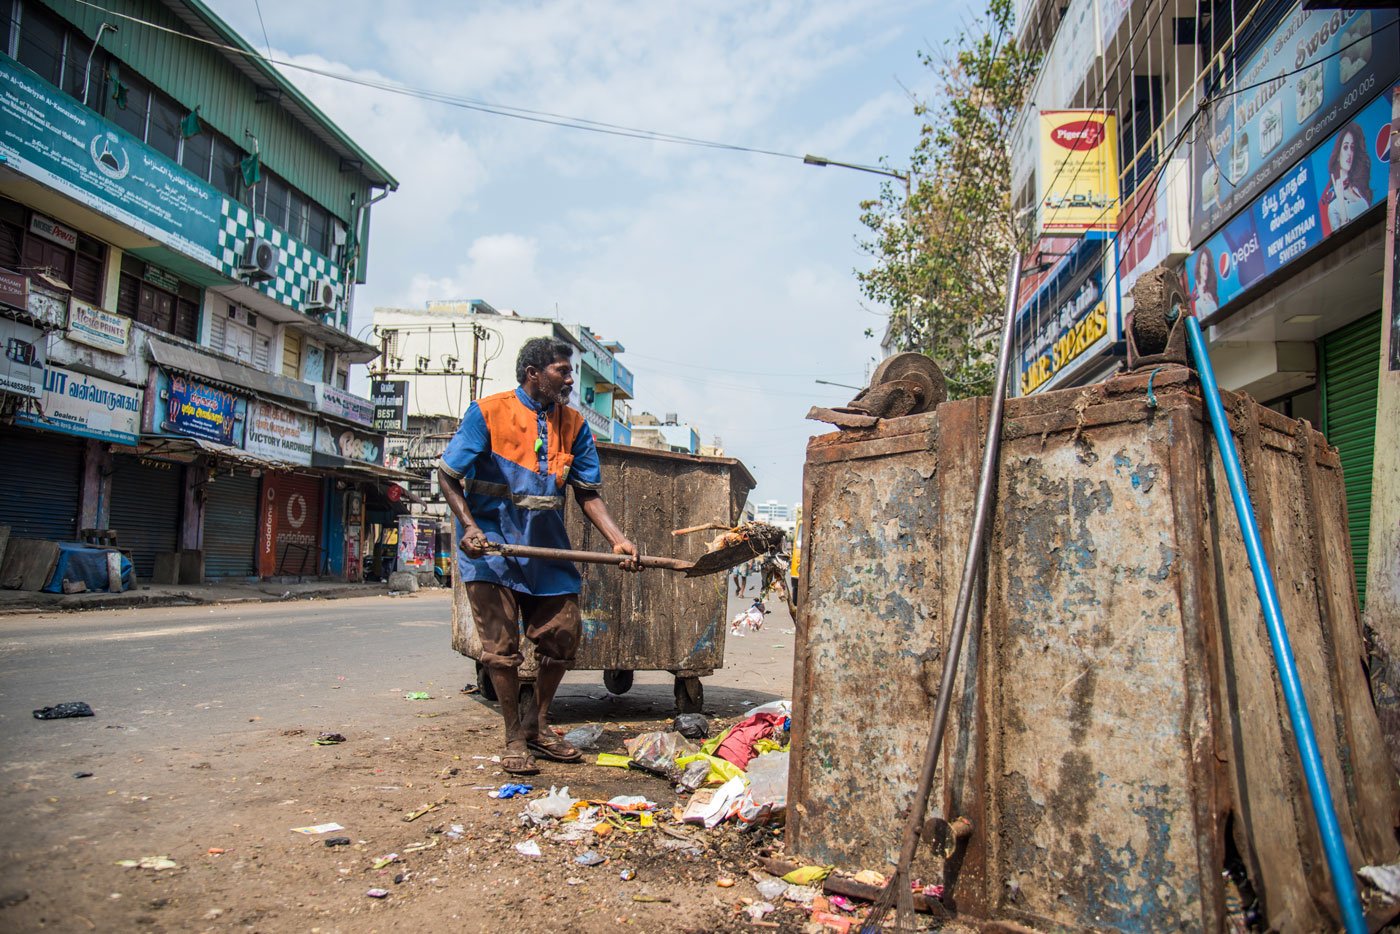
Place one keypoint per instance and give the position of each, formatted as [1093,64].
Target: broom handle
[586,557]
[972,566]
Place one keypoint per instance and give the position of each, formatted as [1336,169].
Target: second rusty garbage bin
[1124,741]
[656,620]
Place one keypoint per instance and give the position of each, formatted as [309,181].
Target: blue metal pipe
[1319,792]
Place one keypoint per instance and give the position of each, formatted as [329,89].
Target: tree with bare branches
[940,244]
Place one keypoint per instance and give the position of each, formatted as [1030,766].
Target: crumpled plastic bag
[721,770]
[551,807]
[692,725]
[808,875]
[584,737]
[696,773]
[658,752]
[766,798]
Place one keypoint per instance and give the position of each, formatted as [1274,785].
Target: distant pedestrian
[739,582]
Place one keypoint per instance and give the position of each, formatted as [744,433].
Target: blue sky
[727,276]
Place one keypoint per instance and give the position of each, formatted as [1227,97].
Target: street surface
[202,742]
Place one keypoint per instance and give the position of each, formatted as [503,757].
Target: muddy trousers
[554,624]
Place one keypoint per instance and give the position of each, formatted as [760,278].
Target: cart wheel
[483,681]
[690,695]
[617,680]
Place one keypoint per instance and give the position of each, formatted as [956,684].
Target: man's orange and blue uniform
[515,457]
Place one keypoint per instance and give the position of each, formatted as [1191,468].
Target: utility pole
[477,334]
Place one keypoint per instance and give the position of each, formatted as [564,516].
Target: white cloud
[736,268]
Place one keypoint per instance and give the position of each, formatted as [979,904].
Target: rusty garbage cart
[656,620]
[1117,741]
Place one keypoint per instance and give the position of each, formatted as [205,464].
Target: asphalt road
[201,740]
[190,675]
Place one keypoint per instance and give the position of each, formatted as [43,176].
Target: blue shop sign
[196,410]
[88,407]
[1069,321]
[1312,74]
[1334,185]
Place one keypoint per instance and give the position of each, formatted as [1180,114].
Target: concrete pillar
[192,505]
[1383,574]
[95,501]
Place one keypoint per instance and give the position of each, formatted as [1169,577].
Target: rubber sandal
[524,764]
[555,749]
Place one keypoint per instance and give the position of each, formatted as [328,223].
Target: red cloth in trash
[738,745]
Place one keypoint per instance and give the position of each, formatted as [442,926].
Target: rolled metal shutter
[1350,379]
[298,525]
[231,526]
[41,479]
[146,509]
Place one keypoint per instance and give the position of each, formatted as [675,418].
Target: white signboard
[52,230]
[279,434]
[1075,50]
[344,405]
[97,327]
[82,405]
[22,366]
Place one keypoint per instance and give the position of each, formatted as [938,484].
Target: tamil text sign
[77,404]
[278,433]
[51,138]
[97,327]
[341,404]
[1313,73]
[1336,183]
[1077,171]
[199,411]
[390,398]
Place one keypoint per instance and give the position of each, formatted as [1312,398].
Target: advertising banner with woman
[1312,74]
[1334,185]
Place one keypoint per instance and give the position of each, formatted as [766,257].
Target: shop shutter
[146,509]
[41,476]
[297,524]
[1350,377]
[231,526]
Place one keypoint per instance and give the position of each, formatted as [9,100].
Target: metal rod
[1319,791]
[586,557]
[986,490]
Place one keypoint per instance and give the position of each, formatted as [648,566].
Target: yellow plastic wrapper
[613,760]
[768,745]
[721,770]
[808,875]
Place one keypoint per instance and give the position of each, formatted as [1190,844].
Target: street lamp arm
[873,170]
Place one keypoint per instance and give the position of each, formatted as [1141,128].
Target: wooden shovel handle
[585,557]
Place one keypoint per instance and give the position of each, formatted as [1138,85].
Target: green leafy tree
[941,243]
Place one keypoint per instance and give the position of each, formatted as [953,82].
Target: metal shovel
[754,545]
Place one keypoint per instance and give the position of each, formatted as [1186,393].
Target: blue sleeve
[470,442]
[586,474]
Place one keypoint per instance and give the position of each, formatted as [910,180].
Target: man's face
[556,382]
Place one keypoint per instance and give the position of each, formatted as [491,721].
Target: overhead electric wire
[549,118]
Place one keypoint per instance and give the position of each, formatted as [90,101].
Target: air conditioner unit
[259,259]
[321,295]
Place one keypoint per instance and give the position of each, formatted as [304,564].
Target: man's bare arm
[473,539]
